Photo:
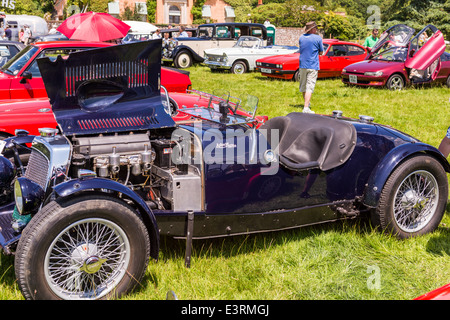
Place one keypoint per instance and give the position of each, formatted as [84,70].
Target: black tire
[414,198]
[448,81]
[54,261]
[239,67]
[395,82]
[296,76]
[183,60]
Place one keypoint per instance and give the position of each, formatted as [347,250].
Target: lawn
[345,260]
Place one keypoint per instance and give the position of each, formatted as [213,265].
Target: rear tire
[91,247]
[414,198]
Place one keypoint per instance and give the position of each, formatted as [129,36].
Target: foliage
[196,12]
[151,11]
[130,14]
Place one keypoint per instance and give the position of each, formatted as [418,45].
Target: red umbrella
[93,26]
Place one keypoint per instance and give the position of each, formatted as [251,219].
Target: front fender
[388,164]
[75,186]
[182,47]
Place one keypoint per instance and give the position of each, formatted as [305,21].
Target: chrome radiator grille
[37,169]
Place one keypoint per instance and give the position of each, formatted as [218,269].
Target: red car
[399,59]
[337,55]
[20,77]
[442,293]
[32,114]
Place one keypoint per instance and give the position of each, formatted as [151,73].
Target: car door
[424,49]
[29,84]
[331,63]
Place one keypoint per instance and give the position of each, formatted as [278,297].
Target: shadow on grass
[226,247]
[7,273]
[440,244]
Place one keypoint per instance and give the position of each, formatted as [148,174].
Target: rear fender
[386,166]
[76,186]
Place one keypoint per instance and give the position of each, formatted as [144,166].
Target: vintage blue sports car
[85,212]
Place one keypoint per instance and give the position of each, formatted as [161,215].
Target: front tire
[414,198]
[91,247]
[395,82]
[239,67]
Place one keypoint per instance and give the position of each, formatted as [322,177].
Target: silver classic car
[243,55]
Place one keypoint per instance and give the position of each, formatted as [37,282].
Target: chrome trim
[57,151]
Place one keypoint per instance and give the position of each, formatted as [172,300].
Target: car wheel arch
[81,187]
[390,162]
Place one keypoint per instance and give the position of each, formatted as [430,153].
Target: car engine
[142,163]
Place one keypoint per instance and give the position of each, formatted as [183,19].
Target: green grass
[328,261]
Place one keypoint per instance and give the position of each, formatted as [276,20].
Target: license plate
[264,70]
[352,78]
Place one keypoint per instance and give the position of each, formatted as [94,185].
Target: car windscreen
[390,52]
[16,64]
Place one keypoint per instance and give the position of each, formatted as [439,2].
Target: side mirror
[26,75]
[411,53]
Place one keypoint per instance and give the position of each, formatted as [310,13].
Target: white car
[243,55]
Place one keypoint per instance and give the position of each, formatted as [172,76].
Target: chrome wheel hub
[415,201]
[87,259]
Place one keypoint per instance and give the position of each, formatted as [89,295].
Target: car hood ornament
[105,90]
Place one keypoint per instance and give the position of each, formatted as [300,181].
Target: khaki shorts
[307,78]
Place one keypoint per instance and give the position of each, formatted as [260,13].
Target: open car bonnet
[111,89]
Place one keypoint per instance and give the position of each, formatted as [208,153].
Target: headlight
[374,74]
[279,66]
[344,71]
[258,63]
[28,196]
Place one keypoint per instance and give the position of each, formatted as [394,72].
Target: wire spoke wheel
[87,259]
[415,201]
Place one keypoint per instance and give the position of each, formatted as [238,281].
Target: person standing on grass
[444,147]
[311,46]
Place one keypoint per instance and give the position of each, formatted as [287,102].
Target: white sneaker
[307,110]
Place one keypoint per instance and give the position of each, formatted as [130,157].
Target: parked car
[20,77]
[87,212]
[183,52]
[8,49]
[243,55]
[57,36]
[32,114]
[337,55]
[400,59]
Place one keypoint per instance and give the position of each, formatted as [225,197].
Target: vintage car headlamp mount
[28,196]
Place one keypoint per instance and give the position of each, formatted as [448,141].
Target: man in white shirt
[157,34]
